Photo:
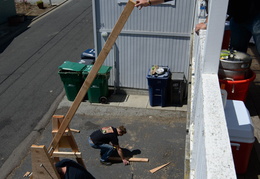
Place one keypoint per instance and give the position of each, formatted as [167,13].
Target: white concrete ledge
[217,144]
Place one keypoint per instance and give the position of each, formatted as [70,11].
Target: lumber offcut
[158,168]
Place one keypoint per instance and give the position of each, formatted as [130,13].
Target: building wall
[7,9]
[156,35]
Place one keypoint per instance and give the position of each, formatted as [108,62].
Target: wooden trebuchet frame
[66,141]
[91,76]
[42,161]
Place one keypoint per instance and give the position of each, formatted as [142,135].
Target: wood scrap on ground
[27,174]
[158,168]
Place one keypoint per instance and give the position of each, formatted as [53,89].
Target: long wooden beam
[91,76]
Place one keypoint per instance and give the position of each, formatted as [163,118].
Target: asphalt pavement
[157,133]
[31,92]
[30,87]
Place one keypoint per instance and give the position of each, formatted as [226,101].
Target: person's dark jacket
[74,170]
[242,10]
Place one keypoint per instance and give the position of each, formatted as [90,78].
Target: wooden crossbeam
[67,154]
[91,76]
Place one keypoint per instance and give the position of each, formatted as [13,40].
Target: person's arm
[145,3]
[120,153]
[202,25]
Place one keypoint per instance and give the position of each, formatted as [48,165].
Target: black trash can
[177,89]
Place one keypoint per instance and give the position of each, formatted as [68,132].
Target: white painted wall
[210,151]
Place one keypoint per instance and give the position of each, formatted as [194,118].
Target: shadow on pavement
[127,154]
[10,32]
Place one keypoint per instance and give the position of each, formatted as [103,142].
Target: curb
[51,9]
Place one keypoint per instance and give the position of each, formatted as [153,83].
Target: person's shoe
[105,163]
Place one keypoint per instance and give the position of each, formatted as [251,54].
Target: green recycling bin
[71,76]
[98,91]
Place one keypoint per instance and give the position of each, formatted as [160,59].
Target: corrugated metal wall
[153,35]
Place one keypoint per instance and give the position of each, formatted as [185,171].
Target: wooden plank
[66,131]
[67,154]
[91,76]
[55,122]
[130,159]
[42,164]
[160,167]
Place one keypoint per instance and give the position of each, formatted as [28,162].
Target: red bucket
[237,89]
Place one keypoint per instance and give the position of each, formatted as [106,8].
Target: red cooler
[241,133]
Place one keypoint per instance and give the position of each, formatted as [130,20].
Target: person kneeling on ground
[106,139]
[69,169]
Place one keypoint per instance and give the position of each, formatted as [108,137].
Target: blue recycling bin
[88,54]
[158,87]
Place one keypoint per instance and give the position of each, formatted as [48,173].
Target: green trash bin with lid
[98,91]
[71,76]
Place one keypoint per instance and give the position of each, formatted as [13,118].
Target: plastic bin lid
[89,53]
[178,76]
[103,69]
[240,127]
[72,66]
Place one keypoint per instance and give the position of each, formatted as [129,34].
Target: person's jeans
[105,149]
[241,34]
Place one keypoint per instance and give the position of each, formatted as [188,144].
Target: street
[29,82]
